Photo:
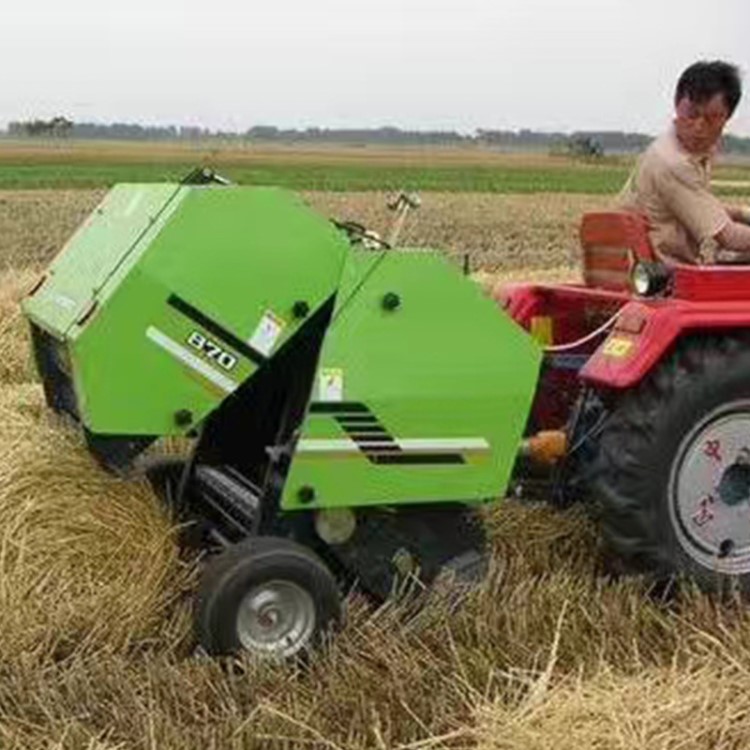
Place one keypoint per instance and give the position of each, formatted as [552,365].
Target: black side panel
[115,452]
[56,380]
[266,410]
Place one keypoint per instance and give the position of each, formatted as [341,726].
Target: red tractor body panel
[602,334]
[712,298]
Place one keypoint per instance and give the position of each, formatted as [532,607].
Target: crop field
[337,168]
[552,651]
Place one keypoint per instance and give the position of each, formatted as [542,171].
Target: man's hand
[739,213]
[735,237]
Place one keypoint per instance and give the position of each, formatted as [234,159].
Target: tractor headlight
[649,279]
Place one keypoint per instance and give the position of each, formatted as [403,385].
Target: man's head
[706,96]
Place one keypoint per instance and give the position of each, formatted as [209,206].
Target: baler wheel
[267,596]
[671,476]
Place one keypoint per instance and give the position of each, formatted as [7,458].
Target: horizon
[349,128]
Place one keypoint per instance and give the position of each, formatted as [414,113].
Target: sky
[417,64]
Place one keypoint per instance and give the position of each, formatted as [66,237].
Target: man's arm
[704,215]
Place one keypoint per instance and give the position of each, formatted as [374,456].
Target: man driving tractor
[671,182]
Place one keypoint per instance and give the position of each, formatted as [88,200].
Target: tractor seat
[612,241]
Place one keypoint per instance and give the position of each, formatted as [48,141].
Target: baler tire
[239,570]
[646,433]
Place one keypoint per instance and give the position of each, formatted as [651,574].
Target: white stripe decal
[444,444]
[191,360]
[327,446]
[435,445]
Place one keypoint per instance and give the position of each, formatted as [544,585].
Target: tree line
[591,143]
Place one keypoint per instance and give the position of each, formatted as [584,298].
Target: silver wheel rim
[276,619]
[709,490]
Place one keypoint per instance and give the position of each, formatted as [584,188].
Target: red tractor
[647,369]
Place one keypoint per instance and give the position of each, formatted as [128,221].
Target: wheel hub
[734,487]
[276,618]
[709,490]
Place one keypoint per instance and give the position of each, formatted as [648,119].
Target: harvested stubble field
[498,232]
[548,653]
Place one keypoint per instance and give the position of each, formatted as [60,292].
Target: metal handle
[403,203]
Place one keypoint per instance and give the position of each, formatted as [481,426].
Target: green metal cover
[423,402]
[231,259]
[94,252]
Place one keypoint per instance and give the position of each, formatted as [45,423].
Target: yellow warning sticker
[617,347]
[541,329]
[331,384]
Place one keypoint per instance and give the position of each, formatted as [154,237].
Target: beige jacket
[672,188]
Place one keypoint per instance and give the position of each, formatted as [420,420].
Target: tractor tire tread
[626,513]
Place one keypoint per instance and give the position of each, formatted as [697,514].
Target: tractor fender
[645,331]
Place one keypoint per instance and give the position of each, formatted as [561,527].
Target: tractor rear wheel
[671,475]
[267,596]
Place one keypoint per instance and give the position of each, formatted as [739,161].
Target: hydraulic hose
[585,339]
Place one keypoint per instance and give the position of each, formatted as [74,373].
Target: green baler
[349,407]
